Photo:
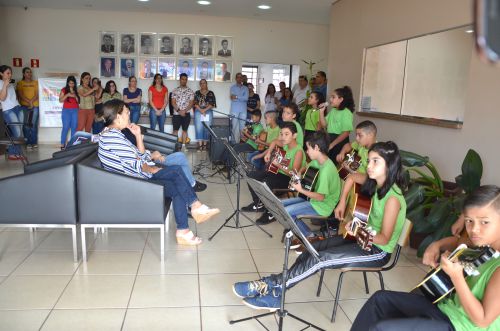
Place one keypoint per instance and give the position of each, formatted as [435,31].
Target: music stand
[240,168]
[275,206]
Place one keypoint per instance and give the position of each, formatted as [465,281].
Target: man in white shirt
[300,91]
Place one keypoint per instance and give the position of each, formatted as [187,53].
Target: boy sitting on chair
[251,135]
[273,132]
[366,136]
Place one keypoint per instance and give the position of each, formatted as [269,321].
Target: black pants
[243,148]
[397,311]
[274,181]
[332,154]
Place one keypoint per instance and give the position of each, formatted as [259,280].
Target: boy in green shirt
[273,132]
[250,145]
[366,136]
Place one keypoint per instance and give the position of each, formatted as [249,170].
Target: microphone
[323,105]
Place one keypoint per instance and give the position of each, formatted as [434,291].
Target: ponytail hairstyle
[348,102]
[389,151]
[483,196]
[111,109]
[320,97]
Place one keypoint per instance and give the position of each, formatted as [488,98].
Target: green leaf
[472,171]
[414,196]
[409,159]
[444,230]
[417,217]
[439,212]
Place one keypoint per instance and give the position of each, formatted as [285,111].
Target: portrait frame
[167,67]
[128,48]
[147,43]
[220,76]
[103,72]
[173,44]
[219,47]
[189,52]
[208,75]
[107,48]
[200,39]
[153,63]
[124,73]
[180,67]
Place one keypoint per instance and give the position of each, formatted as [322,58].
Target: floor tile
[260,240]
[176,262]
[217,319]
[216,290]
[96,291]
[22,320]
[110,263]
[48,263]
[61,240]
[172,319]
[224,240]
[351,307]
[165,291]
[228,261]
[85,319]
[114,240]
[271,260]
[318,313]
[21,240]
[31,292]
[10,260]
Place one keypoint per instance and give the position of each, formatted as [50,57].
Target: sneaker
[35,146]
[203,213]
[253,288]
[199,187]
[13,157]
[266,218]
[253,207]
[271,301]
[29,147]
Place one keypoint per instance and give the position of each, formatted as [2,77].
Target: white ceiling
[304,11]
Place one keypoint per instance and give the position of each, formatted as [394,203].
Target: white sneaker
[203,213]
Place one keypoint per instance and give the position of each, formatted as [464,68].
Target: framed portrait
[205,46]
[108,66]
[148,43]
[185,66]
[147,67]
[166,67]
[185,44]
[107,42]
[166,44]
[224,46]
[205,69]
[127,67]
[223,71]
[128,43]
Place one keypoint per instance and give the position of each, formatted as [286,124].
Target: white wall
[67,41]
[356,24]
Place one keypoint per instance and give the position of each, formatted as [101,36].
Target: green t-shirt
[290,154]
[377,216]
[339,121]
[312,119]
[452,308]
[328,184]
[300,134]
[256,130]
[272,134]
[363,153]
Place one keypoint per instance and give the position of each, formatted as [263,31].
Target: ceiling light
[264,7]
[469,31]
[204,2]
[143,0]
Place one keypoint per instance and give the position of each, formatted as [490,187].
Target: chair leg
[84,244]
[318,292]
[366,283]
[381,279]
[75,245]
[162,243]
[337,297]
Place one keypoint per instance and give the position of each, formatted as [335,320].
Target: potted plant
[430,206]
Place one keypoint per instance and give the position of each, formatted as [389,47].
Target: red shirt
[70,102]
[158,97]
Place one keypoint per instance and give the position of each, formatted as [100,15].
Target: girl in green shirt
[312,124]
[475,305]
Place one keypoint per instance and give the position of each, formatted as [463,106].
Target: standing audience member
[281,92]
[204,101]
[287,98]
[300,91]
[253,102]
[132,96]
[158,101]
[270,99]
[118,154]
[98,124]
[87,103]
[12,111]
[182,101]
[244,79]
[27,92]
[320,83]
[69,115]
[239,98]
[110,92]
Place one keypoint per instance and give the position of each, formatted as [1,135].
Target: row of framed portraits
[170,68]
[165,44]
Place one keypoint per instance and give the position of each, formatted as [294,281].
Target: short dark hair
[204,39]
[165,37]
[4,68]
[304,77]
[257,112]
[367,126]
[295,109]
[482,196]
[183,75]
[321,139]
[272,114]
[224,41]
[290,126]
[322,74]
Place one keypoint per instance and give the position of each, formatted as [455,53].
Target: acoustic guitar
[358,210]
[437,285]
[308,180]
[278,155]
[262,137]
[248,129]
[352,161]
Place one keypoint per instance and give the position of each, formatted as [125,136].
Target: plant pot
[416,239]
[451,189]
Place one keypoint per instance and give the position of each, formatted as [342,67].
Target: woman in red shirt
[158,101]
[70,99]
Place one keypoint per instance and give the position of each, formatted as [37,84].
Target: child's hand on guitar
[454,269]
[348,227]
[267,157]
[432,255]
[340,210]
[340,157]
[297,186]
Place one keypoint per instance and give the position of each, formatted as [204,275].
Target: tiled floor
[124,286]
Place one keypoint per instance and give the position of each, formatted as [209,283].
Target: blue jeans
[299,206]
[135,113]
[79,137]
[97,127]
[153,119]
[259,163]
[31,130]
[237,124]
[176,186]
[179,159]
[200,131]
[14,115]
[69,118]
